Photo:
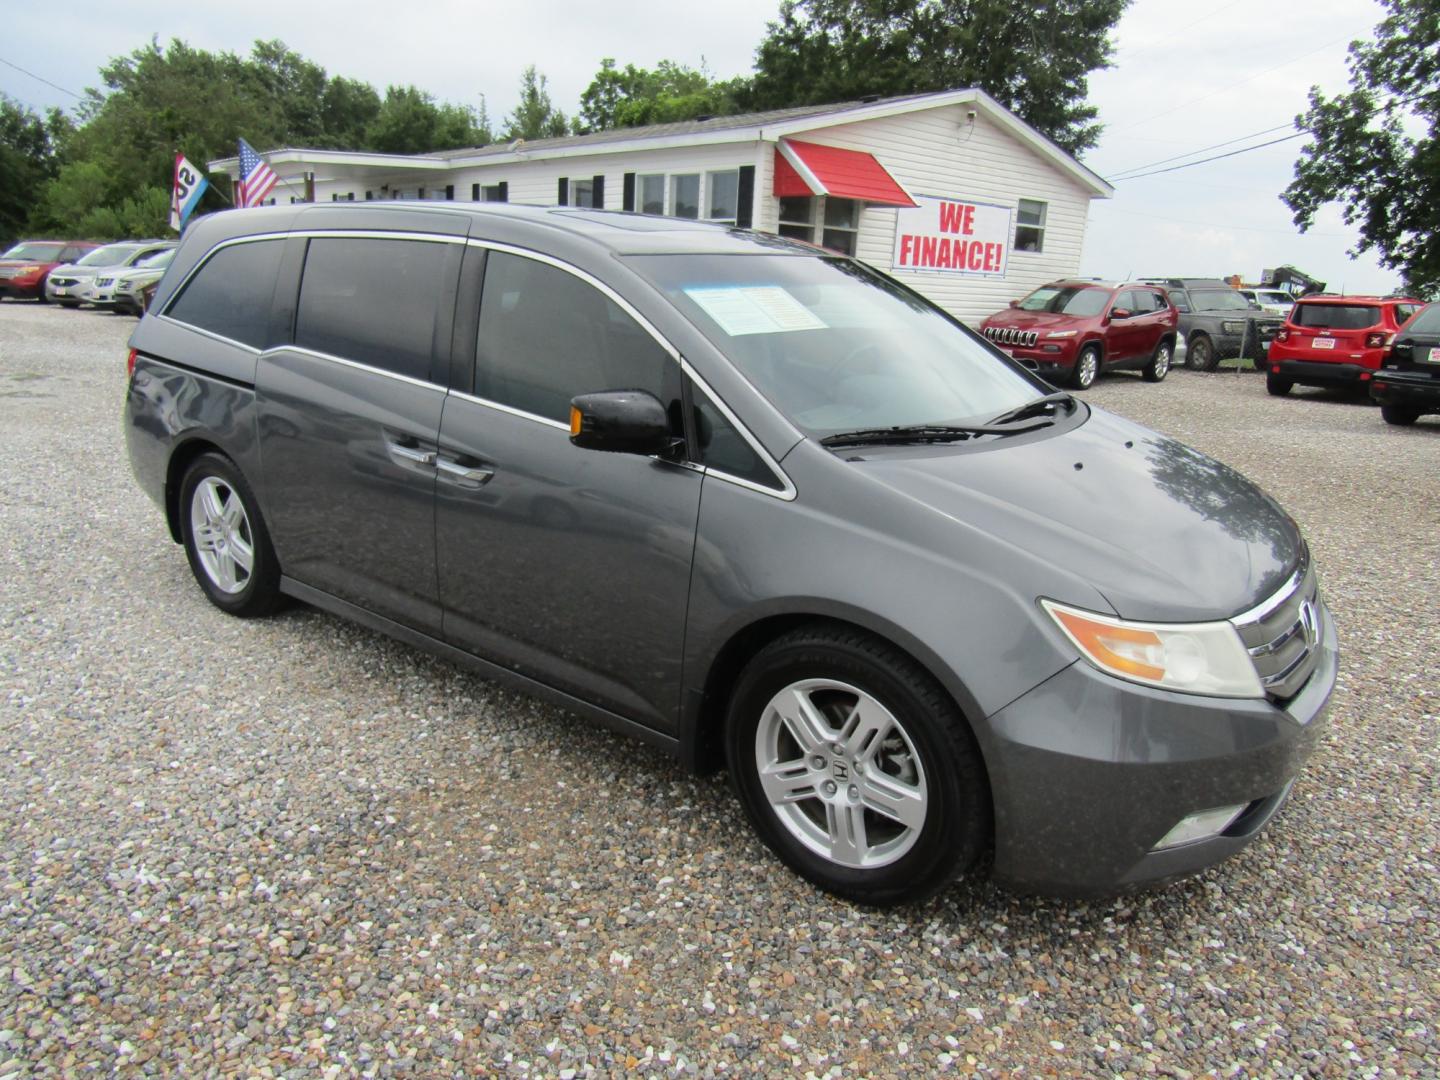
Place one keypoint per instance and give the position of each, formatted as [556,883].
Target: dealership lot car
[67,285]
[753,503]
[124,289]
[25,267]
[1407,386]
[1335,341]
[1076,329]
[1217,322]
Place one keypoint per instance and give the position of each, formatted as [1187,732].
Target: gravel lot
[293,847]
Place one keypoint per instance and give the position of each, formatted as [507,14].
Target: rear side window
[231,293]
[1335,316]
[546,336]
[1427,322]
[1404,311]
[373,301]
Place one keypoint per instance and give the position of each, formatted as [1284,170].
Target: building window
[723,196]
[685,196]
[494,193]
[652,194]
[835,221]
[582,193]
[1030,226]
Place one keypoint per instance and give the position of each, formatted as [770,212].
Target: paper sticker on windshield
[755,309]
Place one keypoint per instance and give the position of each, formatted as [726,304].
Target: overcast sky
[1186,76]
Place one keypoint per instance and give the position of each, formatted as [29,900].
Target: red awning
[803,168]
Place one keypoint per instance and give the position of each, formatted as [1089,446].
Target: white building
[950,192]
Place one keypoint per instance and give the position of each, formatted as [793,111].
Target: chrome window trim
[788,492]
[316,354]
[509,410]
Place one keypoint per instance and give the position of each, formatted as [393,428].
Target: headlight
[29,269]
[1194,658]
[1233,326]
[1060,333]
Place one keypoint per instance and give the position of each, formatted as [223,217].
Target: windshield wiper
[1030,408]
[926,433]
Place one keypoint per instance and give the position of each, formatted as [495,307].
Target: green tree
[535,117]
[30,148]
[1376,148]
[409,122]
[1033,58]
[637,96]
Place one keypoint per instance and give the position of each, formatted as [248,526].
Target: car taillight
[1379,340]
[1282,334]
[130,364]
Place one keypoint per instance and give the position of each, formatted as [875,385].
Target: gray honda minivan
[754,503]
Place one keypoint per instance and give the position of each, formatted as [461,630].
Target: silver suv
[756,504]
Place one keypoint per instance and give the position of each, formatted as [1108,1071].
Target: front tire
[1087,368]
[1159,365]
[1201,355]
[855,767]
[226,540]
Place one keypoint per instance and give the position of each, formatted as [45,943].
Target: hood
[1020,319]
[70,270]
[1164,532]
[9,264]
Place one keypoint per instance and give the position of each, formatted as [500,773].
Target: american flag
[256,178]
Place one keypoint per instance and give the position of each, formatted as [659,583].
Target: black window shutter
[369,195]
[563,198]
[597,192]
[745,208]
[450,191]
[474,192]
[504,191]
[629,192]
[422,194]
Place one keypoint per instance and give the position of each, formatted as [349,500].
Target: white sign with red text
[953,236]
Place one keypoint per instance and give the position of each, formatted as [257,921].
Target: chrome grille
[102,282]
[1282,633]
[1008,335]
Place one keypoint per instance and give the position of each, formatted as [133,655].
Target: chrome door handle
[412,454]
[463,475]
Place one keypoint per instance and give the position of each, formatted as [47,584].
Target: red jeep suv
[1336,341]
[1075,329]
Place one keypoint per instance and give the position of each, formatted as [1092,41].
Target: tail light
[1282,334]
[130,364]
[1379,340]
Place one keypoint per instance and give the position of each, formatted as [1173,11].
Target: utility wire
[47,82]
[1217,157]
[1120,174]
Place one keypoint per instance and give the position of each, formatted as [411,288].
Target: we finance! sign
[954,236]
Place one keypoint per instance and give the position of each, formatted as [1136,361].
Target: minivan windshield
[1066,300]
[835,346]
[109,255]
[34,252]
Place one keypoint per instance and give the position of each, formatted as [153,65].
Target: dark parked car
[1407,386]
[25,267]
[1072,330]
[756,504]
[1335,341]
[1218,322]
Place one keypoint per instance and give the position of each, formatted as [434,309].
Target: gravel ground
[292,847]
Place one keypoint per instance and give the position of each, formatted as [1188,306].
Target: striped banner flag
[256,178]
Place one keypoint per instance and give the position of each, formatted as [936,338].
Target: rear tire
[226,540]
[1276,386]
[1159,365]
[855,767]
[1399,415]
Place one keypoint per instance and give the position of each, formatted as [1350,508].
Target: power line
[46,81]
[1217,157]
[1120,175]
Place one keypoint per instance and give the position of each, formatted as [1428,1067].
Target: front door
[571,566]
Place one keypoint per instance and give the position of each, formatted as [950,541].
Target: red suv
[1336,341]
[1075,329]
[26,265]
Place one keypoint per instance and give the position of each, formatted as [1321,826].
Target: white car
[120,289]
[68,285]
[1275,301]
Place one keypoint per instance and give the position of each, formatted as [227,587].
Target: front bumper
[22,288]
[1090,772]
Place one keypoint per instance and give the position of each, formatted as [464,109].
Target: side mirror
[1014,303]
[1120,313]
[621,422]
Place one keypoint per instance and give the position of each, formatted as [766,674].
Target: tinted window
[109,255]
[231,293]
[1335,316]
[1404,311]
[1427,322]
[546,335]
[722,447]
[1128,301]
[373,301]
[1218,300]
